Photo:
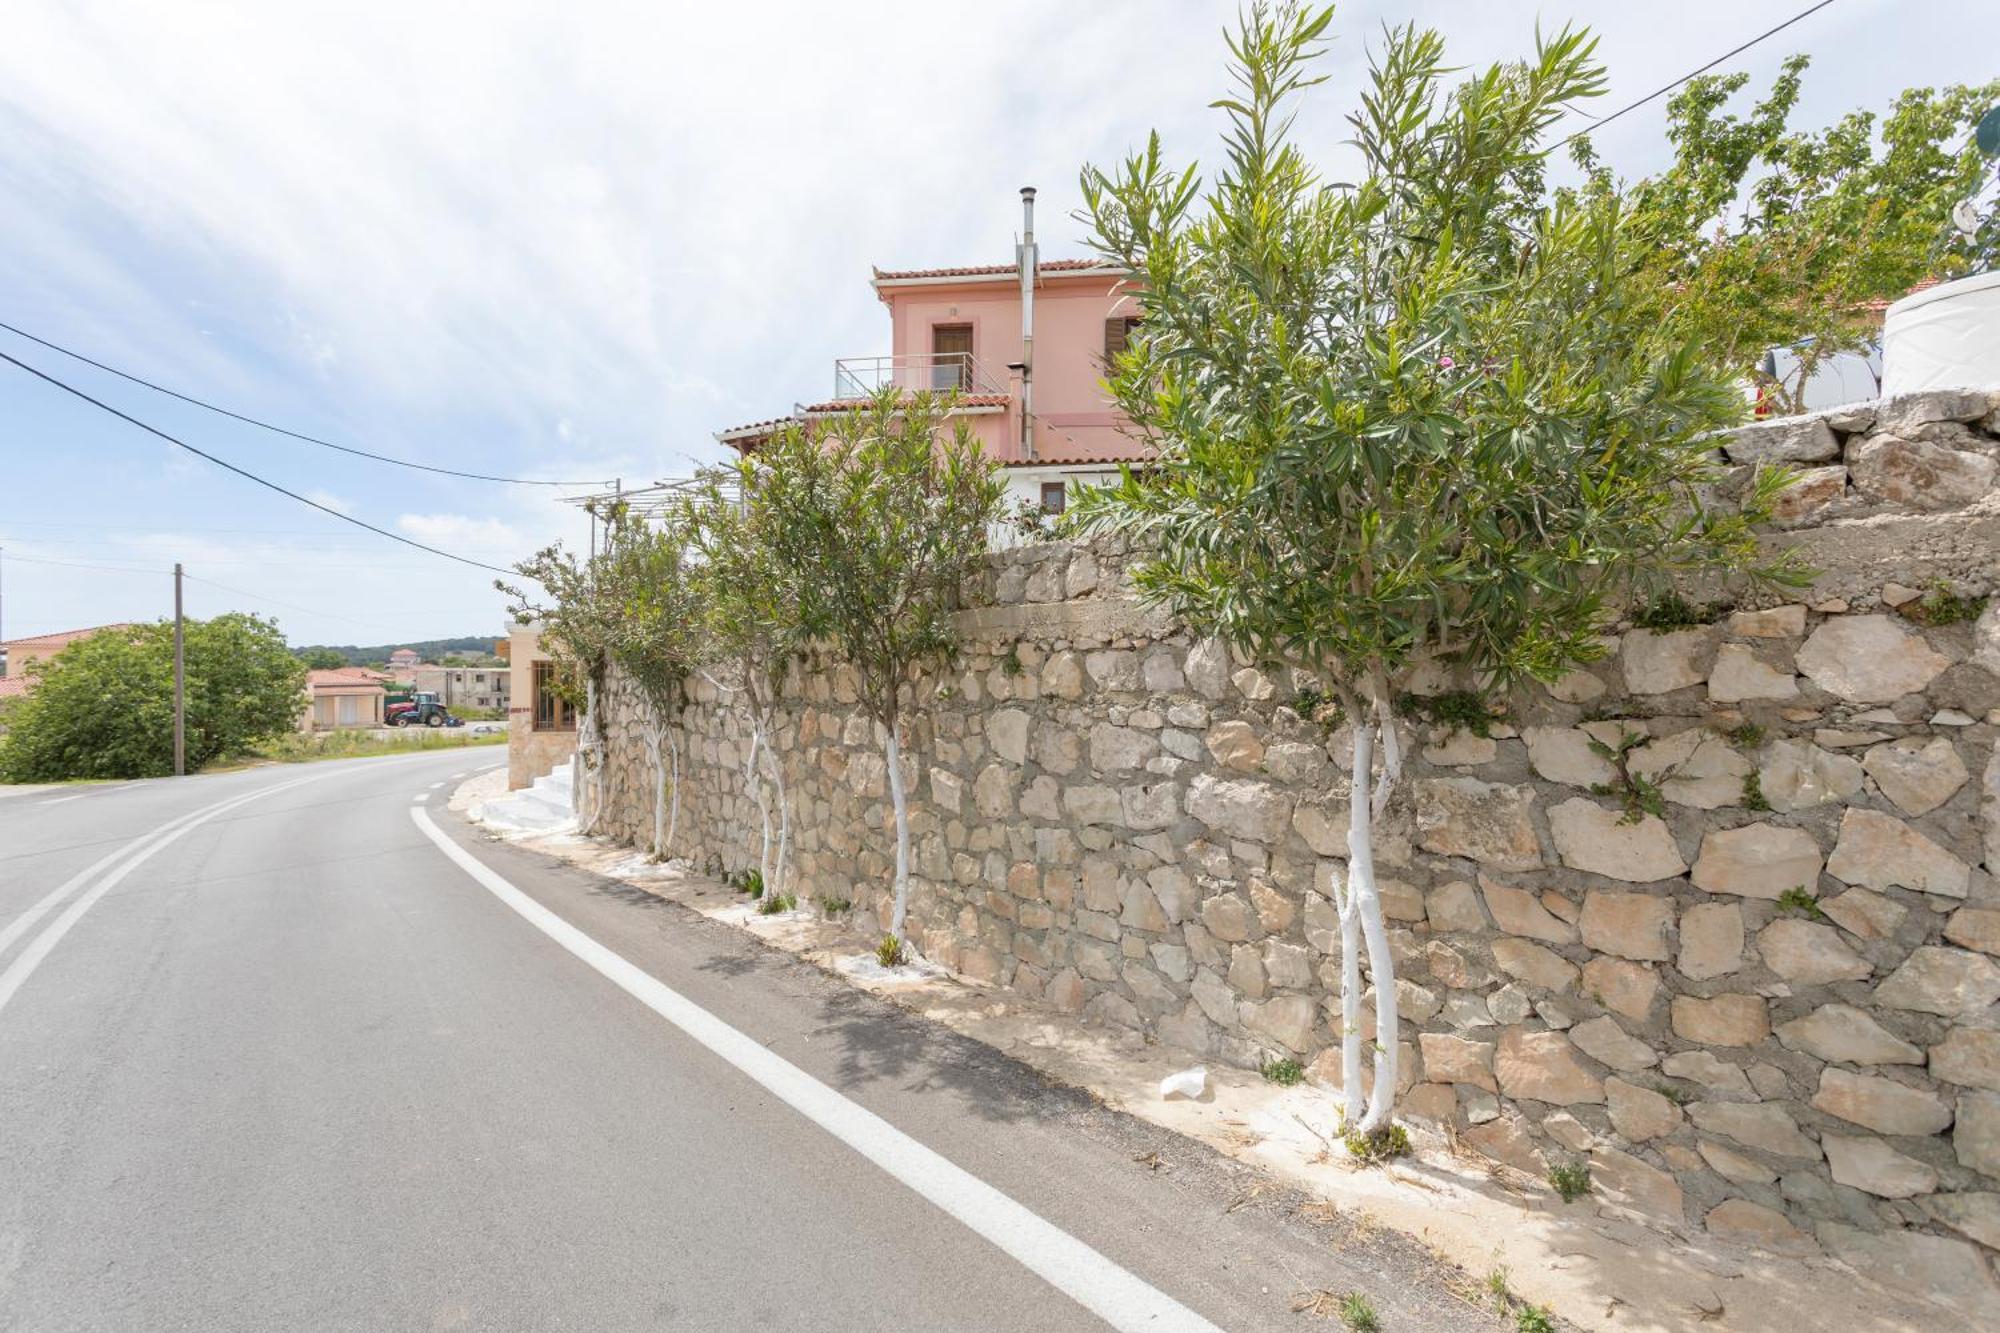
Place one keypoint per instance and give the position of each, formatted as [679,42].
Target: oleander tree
[751,632]
[1761,235]
[880,515]
[657,637]
[1426,415]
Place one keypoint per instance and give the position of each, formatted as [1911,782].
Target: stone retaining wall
[1772,1009]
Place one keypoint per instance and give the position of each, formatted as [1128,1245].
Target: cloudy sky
[572,241]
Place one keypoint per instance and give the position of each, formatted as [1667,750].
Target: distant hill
[358,654]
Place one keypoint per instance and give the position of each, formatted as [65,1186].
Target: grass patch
[1571,1180]
[1639,794]
[1462,710]
[1358,1314]
[746,881]
[1753,792]
[774,903]
[1319,708]
[831,905]
[1533,1319]
[1671,611]
[891,952]
[1010,665]
[1747,736]
[1382,1145]
[298,747]
[1942,606]
[1284,1073]
[1797,899]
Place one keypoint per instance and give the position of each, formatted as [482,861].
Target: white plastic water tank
[1945,337]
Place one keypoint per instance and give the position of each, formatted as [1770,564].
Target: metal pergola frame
[644,502]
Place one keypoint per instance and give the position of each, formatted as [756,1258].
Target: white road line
[20,925]
[1108,1291]
[94,791]
[435,785]
[43,944]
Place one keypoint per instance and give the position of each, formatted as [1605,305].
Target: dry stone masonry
[1770,1008]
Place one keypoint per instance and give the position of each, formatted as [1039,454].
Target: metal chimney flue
[1026,256]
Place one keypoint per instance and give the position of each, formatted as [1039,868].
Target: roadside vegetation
[851,536]
[104,706]
[298,747]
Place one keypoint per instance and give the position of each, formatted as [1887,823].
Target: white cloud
[321,496]
[462,534]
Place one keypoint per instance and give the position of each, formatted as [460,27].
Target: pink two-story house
[1025,346]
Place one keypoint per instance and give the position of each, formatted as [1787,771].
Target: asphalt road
[297,1068]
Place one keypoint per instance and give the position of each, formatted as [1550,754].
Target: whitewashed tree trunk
[779,884]
[1363,909]
[893,750]
[674,809]
[1350,1003]
[754,782]
[590,754]
[655,741]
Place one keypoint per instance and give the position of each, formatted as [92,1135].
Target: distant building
[465,687]
[541,725]
[339,697]
[1025,345]
[405,658]
[16,654]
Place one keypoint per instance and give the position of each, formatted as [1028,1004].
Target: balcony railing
[936,372]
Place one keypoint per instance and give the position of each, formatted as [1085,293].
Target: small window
[1118,336]
[1055,497]
[552,711]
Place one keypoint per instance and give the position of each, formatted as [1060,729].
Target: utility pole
[180,681]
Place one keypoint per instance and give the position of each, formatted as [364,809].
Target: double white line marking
[114,868]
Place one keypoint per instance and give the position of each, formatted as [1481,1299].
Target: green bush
[1284,1073]
[1570,1179]
[1382,1145]
[104,706]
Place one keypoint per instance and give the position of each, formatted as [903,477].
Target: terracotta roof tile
[331,676]
[833,406]
[65,636]
[994,270]
[1882,303]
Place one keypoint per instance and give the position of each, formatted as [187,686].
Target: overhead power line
[165,571]
[281,430]
[374,625]
[244,473]
[1658,93]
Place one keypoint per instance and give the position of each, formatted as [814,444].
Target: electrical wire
[282,430]
[248,475]
[158,571]
[1657,93]
[293,606]
[78,564]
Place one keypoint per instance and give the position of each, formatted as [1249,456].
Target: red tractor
[422,709]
